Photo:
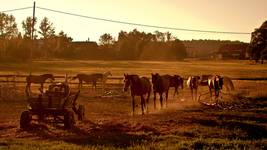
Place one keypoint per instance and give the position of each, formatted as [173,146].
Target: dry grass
[185,124]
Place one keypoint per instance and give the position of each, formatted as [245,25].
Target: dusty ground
[184,124]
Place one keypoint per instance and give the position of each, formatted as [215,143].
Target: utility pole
[32,33]
[33,20]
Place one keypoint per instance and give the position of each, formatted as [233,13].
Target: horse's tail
[228,82]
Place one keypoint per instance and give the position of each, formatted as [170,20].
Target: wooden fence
[111,80]
[10,84]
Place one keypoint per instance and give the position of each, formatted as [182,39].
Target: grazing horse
[175,82]
[193,83]
[38,79]
[161,84]
[92,78]
[140,87]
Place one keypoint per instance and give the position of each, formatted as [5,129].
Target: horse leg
[196,95]
[175,91]
[167,93]
[147,101]
[192,94]
[211,94]
[161,99]
[142,104]
[133,104]
[154,100]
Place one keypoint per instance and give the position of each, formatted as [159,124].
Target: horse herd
[141,86]
[161,84]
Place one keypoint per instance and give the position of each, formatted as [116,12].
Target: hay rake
[217,102]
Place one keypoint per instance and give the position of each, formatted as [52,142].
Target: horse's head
[155,77]
[49,76]
[108,73]
[127,82]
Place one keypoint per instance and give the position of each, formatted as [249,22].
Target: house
[231,51]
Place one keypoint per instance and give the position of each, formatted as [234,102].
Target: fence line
[118,78]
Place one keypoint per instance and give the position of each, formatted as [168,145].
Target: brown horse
[161,84]
[38,79]
[175,82]
[92,78]
[140,87]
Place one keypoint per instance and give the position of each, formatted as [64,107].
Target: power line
[143,25]
[17,9]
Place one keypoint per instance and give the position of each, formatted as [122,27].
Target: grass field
[118,68]
[109,124]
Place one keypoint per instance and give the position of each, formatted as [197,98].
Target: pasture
[109,124]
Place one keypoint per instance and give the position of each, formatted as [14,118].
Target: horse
[161,84]
[140,87]
[92,78]
[38,79]
[193,83]
[102,78]
[215,83]
[175,82]
[207,80]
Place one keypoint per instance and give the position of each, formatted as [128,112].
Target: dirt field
[184,124]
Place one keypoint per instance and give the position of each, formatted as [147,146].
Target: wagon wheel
[69,119]
[81,113]
[25,119]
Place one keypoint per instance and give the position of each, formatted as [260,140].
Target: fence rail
[19,78]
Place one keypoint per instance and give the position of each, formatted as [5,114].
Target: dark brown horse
[176,81]
[38,79]
[140,87]
[161,84]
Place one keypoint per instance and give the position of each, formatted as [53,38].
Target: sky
[218,15]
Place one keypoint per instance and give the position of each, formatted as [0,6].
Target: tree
[27,27]
[8,26]
[179,49]
[169,36]
[106,39]
[46,29]
[257,48]
[160,36]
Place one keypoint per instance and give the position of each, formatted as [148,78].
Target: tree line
[18,45]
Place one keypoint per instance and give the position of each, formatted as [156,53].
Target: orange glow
[227,15]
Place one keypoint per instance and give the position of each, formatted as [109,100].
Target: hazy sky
[221,15]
